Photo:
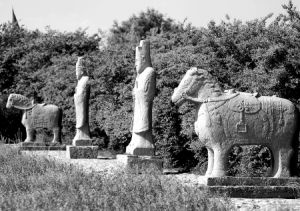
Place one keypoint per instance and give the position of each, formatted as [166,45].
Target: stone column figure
[143,94]
[81,100]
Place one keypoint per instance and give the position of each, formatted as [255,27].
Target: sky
[69,15]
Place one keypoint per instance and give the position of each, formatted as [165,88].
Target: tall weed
[35,183]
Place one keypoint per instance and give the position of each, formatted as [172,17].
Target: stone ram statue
[228,118]
[37,116]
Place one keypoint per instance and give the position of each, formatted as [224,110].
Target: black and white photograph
[136,105]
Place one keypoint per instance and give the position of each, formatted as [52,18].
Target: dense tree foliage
[261,55]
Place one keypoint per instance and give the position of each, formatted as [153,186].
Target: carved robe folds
[82,144]
[144,91]
[81,98]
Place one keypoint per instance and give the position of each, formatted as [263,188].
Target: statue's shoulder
[147,75]
[149,71]
[84,81]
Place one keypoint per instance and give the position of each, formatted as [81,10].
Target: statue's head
[142,56]
[190,84]
[80,68]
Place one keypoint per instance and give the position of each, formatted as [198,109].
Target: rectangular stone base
[32,146]
[249,181]
[140,162]
[82,152]
[253,187]
[255,191]
[85,142]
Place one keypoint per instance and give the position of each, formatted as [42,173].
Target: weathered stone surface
[82,152]
[53,148]
[80,142]
[143,94]
[137,150]
[256,191]
[249,181]
[38,148]
[32,146]
[253,187]
[140,162]
[225,119]
[106,155]
[37,116]
[81,100]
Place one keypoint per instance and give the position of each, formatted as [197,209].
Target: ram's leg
[56,135]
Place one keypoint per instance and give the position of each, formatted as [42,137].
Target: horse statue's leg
[281,165]
[220,165]
[29,135]
[210,161]
[276,165]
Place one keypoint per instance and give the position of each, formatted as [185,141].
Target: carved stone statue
[225,119]
[37,116]
[81,100]
[143,94]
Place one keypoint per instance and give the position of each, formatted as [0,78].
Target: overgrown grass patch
[35,183]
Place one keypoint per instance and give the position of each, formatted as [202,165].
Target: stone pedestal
[139,151]
[83,142]
[140,162]
[32,146]
[82,149]
[82,152]
[253,187]
[141,144]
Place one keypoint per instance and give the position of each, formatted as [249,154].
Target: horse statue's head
[19,101]
[196,83]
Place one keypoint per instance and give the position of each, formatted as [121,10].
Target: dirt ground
[107,164]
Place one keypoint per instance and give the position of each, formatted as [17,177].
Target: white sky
[69,15]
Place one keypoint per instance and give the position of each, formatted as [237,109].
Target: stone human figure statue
[143,94]
[81,100]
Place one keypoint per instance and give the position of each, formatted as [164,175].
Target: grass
[35,183]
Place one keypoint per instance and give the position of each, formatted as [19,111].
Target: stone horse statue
[228,118]
[37,116]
